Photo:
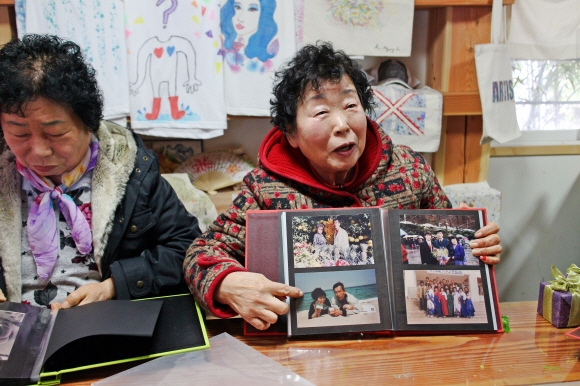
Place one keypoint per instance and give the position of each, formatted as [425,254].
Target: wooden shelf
[461,103]
[423,4]
[522,151]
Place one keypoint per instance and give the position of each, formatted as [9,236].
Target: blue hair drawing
[257,46]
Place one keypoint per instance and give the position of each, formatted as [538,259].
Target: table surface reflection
[533,352]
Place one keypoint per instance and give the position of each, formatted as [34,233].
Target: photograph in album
[324,241]
[9,326]
[439,239]
[326,291]
[452,297]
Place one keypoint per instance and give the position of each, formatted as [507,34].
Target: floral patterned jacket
[387,175]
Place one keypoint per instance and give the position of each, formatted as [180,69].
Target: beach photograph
[337,298]
[331,241]
[444,297]
[437,239]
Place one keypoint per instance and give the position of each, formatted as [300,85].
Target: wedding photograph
[331,241]
[436,239]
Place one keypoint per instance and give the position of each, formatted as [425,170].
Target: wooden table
[533,352]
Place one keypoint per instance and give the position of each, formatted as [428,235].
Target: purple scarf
[42,224]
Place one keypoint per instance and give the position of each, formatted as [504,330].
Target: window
[547,96]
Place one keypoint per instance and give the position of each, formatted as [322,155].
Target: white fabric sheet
[175,68]
[545,30]
[96,26]
[257,38]
[361,27]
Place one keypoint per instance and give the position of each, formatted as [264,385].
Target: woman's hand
[88,293]
[254,297]
[487,244]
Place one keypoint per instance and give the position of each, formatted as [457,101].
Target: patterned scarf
[42,224]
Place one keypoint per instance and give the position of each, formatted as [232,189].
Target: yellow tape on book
[566,283]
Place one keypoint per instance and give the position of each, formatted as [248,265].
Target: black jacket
[151,233]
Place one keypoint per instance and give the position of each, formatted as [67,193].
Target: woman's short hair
[320,225]
[318,292]
[49,67]
[310,67]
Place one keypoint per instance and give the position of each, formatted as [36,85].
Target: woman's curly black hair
[313,65]
[317,293]
[49,67]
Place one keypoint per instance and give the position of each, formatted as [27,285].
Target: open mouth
[344,148]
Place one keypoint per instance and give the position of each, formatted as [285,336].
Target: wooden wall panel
[476,155]
[452,154]
[471,26]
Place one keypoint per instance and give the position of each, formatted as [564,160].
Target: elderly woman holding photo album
[322,153]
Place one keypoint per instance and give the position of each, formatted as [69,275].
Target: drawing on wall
[249,34]
[157,61]
[355,12]
[361,27]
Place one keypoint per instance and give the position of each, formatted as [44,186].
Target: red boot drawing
[155,110]
[175,112]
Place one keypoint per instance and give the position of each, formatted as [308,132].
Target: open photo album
[375,270]
[37,346]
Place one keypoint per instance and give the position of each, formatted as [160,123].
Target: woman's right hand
[255,297]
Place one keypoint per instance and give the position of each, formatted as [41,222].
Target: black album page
[437,283]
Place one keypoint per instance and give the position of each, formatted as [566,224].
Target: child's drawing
[157,62]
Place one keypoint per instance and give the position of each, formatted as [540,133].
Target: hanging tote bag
[411,117]
[494,78]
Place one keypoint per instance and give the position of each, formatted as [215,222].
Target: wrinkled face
[339,292]
[331,129]
[49,138]
[247,16]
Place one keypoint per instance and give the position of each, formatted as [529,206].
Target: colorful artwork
[356,12]
[249,32]
[175,68]
[361,27]
[158,61]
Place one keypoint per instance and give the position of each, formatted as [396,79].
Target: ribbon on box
[565,283]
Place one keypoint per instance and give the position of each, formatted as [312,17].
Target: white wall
[539,221]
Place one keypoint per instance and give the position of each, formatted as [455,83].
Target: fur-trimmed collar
[117,150]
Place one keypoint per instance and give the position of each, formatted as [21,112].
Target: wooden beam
[534,150]
[423,4]
[454,157]
[476,155]
[461,103]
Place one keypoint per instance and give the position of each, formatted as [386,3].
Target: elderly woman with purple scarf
[84,213]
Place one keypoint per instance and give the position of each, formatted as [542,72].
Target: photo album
[375,270]
[37,346]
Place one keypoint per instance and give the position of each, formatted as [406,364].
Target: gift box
[559,299]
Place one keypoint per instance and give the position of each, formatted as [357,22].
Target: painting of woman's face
[247,16]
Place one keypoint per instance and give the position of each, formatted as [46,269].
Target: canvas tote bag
[494,78]
[411,117]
